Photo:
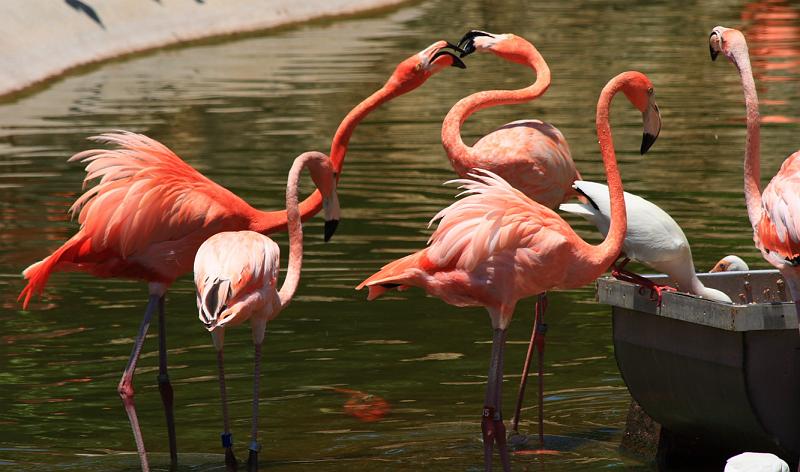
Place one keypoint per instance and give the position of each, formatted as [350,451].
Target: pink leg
[537,341]
[492,419]
[252,460]
[164,386]
[227,437]
[125,387]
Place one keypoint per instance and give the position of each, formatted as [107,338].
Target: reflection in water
[772,29]
[240,111]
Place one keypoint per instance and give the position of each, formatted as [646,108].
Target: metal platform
[727,375]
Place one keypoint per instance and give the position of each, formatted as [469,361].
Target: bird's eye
[650,91]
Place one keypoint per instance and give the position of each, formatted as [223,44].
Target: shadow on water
[240,111]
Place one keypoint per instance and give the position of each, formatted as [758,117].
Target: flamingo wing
[778,231]
[492,247]
[146,194]
[235,271]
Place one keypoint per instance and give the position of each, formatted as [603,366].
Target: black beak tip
[330,228]
[714,53]
[458,62]
[647,141]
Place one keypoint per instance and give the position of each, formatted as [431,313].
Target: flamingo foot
[656,290]
[494,431]
[252,459]
[231,464]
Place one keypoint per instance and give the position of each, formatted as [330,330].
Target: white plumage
[756,462]
[653,237]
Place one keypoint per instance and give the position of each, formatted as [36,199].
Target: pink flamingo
[236,275]
[531,155]
[775,214]
[496,246]
[150,212]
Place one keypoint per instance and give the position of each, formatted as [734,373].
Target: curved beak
[332,212]
[467,43]
[456,61]
[714,43]
[652,125]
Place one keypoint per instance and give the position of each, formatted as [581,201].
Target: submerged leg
[165,387]
[252,460]
[492,419]
[227,437]
[125,387]
[537,341]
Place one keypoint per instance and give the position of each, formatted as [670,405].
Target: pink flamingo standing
[496,246]
[236,274]
[775,214]
[531,155]
[151,211]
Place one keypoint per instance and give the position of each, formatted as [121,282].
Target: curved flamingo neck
[454,146]
[267,222]
[295,226]
[605,253]
[752,154]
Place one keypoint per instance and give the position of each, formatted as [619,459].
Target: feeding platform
[725,375]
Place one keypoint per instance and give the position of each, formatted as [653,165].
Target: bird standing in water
[496,246]
[236,275]
[151,211]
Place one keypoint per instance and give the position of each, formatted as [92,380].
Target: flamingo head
[415,70]
[326,179]
[728,41]
[639,90]
[508,46]
[730,264]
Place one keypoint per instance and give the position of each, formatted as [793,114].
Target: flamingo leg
[252,460]
[164,386]
[125,387]
[656,290]
[492,418]
[227,437]
[537,341]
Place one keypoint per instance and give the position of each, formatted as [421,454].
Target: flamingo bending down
[497,246]
[531,155]
[730,263]
[653,237]
[236,275]
[151,211]
[775,214]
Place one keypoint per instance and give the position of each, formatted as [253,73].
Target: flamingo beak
[714,41]
[652,125]
[467,43]
[456,61]
[330,206]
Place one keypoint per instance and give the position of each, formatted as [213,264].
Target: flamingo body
[533,156]
[236,274]
[491,248]
[778,231]
[653,237]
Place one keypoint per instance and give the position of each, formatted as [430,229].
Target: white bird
[730,263]
[756,462]
[653,237]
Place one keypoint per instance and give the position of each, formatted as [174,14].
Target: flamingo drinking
[236,275]
[496,246]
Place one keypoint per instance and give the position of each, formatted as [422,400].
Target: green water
[241,110]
